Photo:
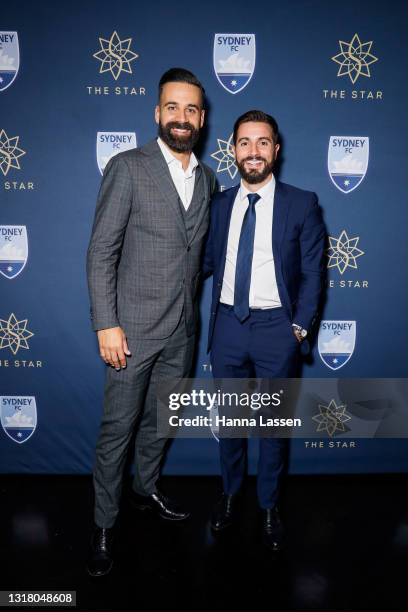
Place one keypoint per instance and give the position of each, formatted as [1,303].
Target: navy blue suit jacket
[298,238]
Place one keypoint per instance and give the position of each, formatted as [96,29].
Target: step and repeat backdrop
[78,84]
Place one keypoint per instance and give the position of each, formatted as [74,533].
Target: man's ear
[277,147]
[202,118]
[157,114]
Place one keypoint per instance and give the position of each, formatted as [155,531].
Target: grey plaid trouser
[129,403]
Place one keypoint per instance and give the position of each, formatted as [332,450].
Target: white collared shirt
[183,180]
[263,291]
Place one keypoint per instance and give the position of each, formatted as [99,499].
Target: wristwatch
[300,329]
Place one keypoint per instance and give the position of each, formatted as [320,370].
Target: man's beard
[177,143]
[253,177]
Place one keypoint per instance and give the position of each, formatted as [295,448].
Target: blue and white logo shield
[234,60]
[337,340]
[348,161]
[13,250]
[9,58]
[109,144]
[18,416]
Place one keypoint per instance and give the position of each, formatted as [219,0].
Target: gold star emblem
[331,418]
[115,55]
[225,157]
[343,252]
[355,58]
[14,334]
[9,152]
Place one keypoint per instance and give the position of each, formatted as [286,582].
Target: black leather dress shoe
[100,559]
[159,504]
[272,529]
[224,512]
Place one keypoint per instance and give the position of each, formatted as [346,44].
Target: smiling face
[180,115]
[255,152]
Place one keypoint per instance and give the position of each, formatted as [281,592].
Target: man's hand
[299,332]
[113,347]
[297,335]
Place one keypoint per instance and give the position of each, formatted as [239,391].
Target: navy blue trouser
[263,346]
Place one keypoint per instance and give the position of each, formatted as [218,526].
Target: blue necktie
[244,260]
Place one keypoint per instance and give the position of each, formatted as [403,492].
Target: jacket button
[188,248]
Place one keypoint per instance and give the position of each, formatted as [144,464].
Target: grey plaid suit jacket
[142,267]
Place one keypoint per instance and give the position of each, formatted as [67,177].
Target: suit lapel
[204,201]
[227,211]
[280,215]
[158,170]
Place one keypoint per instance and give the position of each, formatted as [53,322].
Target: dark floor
[347,547]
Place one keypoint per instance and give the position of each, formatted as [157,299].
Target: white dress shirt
[263,291]
[183,180]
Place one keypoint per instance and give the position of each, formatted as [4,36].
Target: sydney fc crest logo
[109,144]
[18,416]
[348,161]
[234,60]
[13,250]
[9,58]
[337,340]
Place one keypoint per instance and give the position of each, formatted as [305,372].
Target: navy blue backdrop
[332,75]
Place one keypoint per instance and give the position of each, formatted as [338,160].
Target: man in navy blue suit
[265,252]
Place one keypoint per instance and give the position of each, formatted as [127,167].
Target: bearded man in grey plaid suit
[143,270]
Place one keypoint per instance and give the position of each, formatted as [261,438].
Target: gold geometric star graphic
[225,157]
[343,252]
[115,55]
[9,152]
[355,58]
[14,334]
[331,418]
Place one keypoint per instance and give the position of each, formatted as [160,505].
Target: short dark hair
[180,75]
[258,117]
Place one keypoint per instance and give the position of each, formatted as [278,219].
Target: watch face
[303,333]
